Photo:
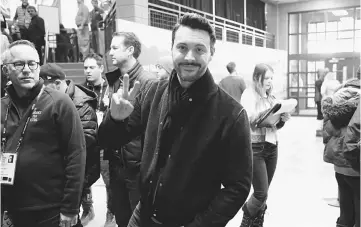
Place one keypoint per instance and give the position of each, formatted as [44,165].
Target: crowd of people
[174,149]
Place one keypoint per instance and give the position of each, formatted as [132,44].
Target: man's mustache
[189,64]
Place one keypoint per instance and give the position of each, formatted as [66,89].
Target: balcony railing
[109,27]
[225,29]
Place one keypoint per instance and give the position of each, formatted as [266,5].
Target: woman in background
[256,99]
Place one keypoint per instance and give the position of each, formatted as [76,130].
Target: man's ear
[101,68]
[131,50]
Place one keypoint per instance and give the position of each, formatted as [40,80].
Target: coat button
[150,181]
[190,99]
[160,185]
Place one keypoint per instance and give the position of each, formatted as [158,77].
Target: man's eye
[16,64]
[32,63]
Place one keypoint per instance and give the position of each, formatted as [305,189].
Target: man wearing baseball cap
[85,101]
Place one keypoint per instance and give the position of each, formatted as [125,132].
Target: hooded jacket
[338,111]
[51,161]
[130,153]
[85,102]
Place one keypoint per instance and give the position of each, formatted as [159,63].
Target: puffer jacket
[352,140]
[338,110]
[85,101]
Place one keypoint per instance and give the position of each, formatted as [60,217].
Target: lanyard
[100,93]
[4,137]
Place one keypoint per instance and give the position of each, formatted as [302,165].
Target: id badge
[100,116]
[7,168]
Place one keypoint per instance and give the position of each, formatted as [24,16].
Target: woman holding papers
[257,99]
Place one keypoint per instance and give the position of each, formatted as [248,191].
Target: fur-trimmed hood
[340,107]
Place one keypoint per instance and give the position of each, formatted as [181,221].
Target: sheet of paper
[287,106]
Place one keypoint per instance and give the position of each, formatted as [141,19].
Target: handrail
[210,15]
[239,32]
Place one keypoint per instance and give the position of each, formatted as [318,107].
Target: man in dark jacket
[85,102]
[42,127]
[124,161]
[93,69]
[195,138]
[36,31]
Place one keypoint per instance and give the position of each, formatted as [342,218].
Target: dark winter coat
[212,148]
[338,111]
[130,153]
[85,101]
[51,161]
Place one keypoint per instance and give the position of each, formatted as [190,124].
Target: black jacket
[51,162]
[213,148]
[130,153]
[85,101]
[36,30]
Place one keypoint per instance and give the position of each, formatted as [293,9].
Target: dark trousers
[125,191]
[87,199]
[349,190]
[46,218]
[319,112]
[135,220]
[264,167]
[104,171]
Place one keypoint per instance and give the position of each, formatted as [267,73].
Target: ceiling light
[339,13]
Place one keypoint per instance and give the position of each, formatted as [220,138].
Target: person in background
[164,67]
[22,20]
[329,85]
[124,161]
[195,137]
[256,99]
[338,110]
[352,141]
[95,18]
[93,70]
[321,73]
[52,153]
[85,103]
[82,21]
[233,84]
[36,31]
[63,45]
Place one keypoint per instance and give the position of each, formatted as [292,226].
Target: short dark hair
[96,57]
[196,21]
[130,39]
[231,67]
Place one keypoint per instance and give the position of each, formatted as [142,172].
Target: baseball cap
[52,71]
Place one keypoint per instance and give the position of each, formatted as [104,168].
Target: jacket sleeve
[73,141]
[237,178]
[88,119]
[113,134]
[352,141]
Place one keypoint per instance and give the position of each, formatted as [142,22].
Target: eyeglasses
[20,65]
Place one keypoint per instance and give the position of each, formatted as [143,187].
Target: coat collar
[115,75]
[29,98]
[200,90]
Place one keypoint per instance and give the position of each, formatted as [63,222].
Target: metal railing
[225,29]
[109,27]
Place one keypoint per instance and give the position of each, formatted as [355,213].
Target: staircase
[73,71]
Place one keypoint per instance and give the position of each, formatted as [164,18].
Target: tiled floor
[300,186]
